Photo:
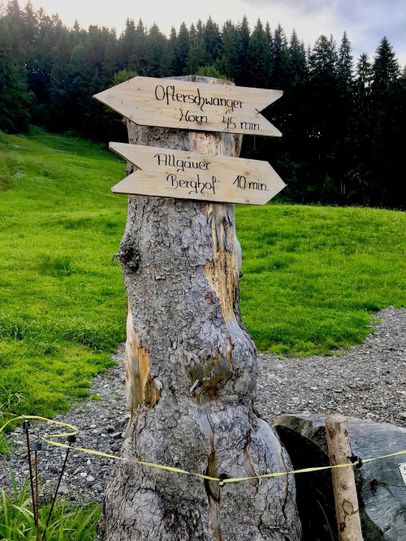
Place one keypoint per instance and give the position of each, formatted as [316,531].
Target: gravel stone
[368,381]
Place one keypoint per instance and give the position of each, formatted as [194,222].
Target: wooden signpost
[190,365]
[189,105]
[189,175]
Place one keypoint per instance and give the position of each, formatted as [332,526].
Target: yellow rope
[73,431]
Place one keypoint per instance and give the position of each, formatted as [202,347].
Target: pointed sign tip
[97,96]
[119,149]
[118,188]
[101,96]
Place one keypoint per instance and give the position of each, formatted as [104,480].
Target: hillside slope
[313,276]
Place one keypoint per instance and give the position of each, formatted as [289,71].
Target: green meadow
[313,277]
[62,303]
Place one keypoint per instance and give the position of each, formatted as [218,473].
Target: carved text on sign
[189,175]
[187,104]
[170,93]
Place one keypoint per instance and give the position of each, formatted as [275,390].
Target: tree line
[343,119]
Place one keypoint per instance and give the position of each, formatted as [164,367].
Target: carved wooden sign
[188,175]
[183,104]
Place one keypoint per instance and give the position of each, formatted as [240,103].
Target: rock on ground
[381,489]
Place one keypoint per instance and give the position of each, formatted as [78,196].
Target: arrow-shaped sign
[188,175]
[184,104]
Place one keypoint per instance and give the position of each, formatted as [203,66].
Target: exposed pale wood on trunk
[141,389]
[345,492]
[181,263]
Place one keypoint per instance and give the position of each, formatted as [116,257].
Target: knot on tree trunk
[129,256]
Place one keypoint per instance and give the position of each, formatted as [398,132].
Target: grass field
[313,276]
[62,303]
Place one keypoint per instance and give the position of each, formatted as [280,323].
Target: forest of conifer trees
[342,118]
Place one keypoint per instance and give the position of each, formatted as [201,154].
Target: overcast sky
[366,21]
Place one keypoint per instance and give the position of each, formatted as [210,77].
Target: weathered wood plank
[173,103]
[191,175]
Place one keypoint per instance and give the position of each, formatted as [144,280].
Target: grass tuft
[68,523]
[58,267]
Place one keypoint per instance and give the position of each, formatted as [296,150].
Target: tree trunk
[191,376]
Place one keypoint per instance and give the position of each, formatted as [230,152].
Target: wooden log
[191,376]
[345,492]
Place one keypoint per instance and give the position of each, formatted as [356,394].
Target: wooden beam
[345,492]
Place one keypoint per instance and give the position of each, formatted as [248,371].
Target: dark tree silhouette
[343,127]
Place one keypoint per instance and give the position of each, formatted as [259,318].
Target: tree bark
[191,376]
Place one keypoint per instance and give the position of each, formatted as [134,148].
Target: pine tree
[323,59]
[388,98]
[364,74]
[279,58]
[385,67]
[181,49]
[358,176]
[15,98]
[139,56]
[344,64]
[258,56]
[133,47]
[212,41]
[126,45]
[169,53]
[51,43]
[156,44]
[197,51]
[229,64]
[324,115]
[344,119]
[17,32]
[297,63]
[242,76]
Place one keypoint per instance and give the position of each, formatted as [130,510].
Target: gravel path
[368,381]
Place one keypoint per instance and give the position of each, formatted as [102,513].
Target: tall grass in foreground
[69,523]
